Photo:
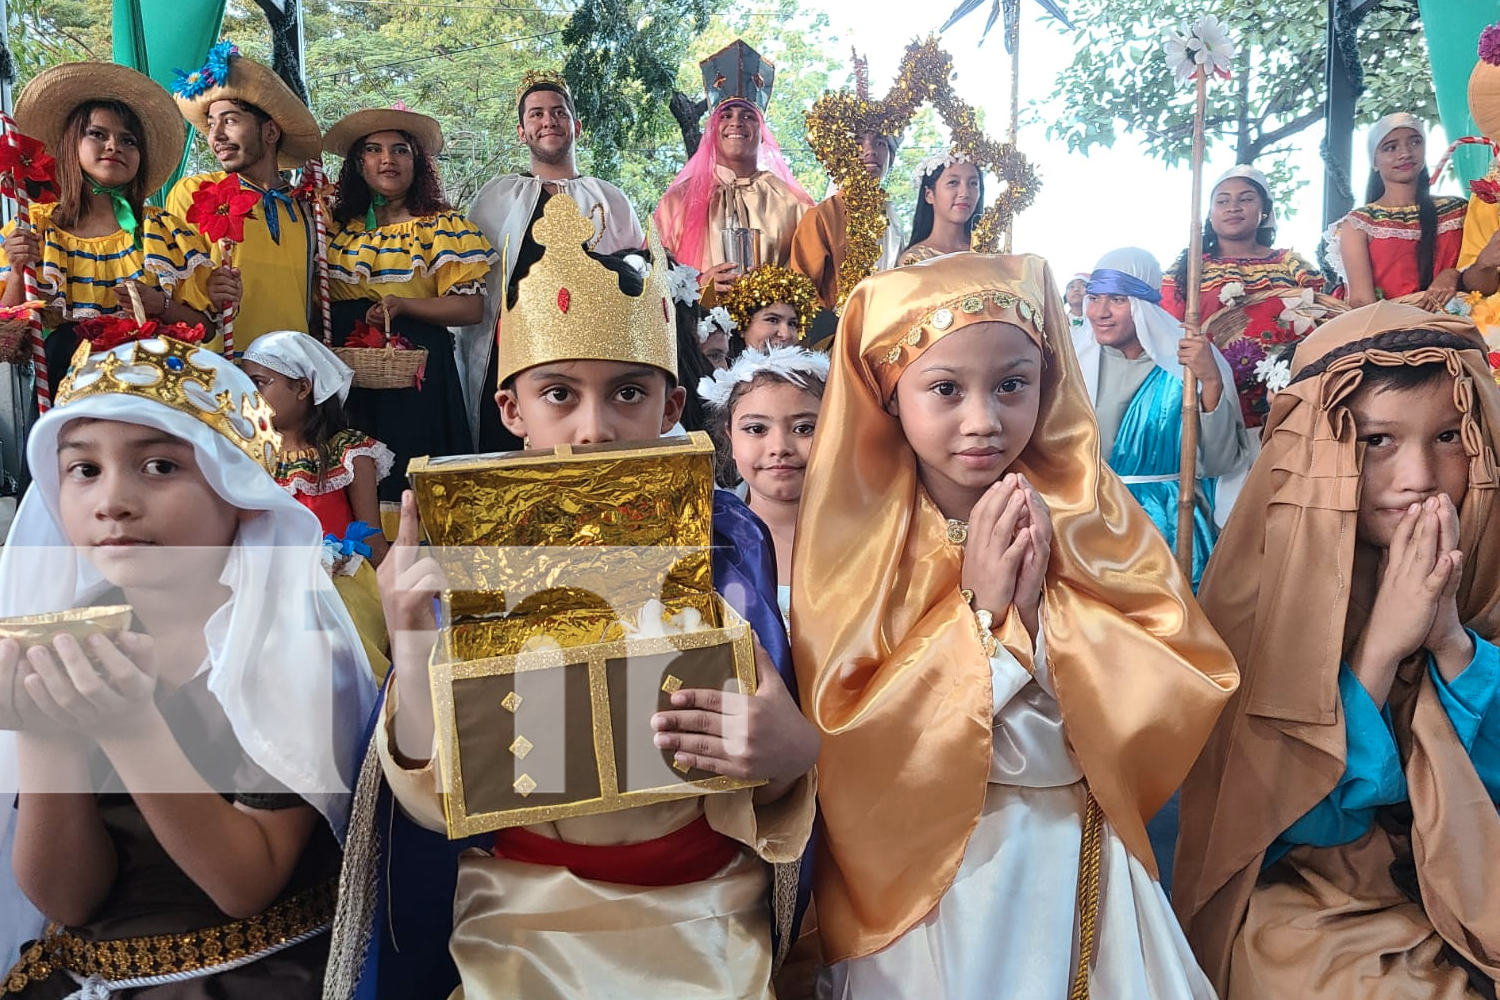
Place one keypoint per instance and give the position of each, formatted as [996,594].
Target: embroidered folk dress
[1393,235]
[439,254]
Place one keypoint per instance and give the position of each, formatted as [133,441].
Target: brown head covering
[890,668]
[1288,588]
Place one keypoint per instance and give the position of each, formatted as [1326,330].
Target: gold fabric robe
[543,933]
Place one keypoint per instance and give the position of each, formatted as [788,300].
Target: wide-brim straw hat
[43,109]
[1484,98]
[253,83]
[351,128]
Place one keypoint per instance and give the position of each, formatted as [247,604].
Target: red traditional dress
[1283,271]
[1393,234]
[297,472]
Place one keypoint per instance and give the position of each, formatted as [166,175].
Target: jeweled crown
[569,306]
[182,376]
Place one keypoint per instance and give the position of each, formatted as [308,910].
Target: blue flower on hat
[214,72]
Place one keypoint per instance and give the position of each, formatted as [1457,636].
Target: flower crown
[718,320]
[940,160]
[682,280]
[789,363]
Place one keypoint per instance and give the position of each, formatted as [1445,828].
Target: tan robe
[543,933]
[820,241]
[761,201]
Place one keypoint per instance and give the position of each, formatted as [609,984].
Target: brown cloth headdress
[1287,587]
[889,665]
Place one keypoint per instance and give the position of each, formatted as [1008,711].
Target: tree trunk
[285,18]
[688,112]
[1343,82]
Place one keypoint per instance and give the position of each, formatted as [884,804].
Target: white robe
[502,210]
[1007,928]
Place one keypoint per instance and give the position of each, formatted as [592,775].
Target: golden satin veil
[890,667]
[1289,588]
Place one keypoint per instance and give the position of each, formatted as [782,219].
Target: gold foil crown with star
[569,306]
[186,378]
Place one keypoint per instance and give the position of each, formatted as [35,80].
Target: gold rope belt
[177,955]
[1089,855]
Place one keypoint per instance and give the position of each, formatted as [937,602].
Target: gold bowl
[40,630]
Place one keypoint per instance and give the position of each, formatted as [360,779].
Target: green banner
[158,36]
[1452,29]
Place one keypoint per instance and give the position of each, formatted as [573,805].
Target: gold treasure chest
[579,597]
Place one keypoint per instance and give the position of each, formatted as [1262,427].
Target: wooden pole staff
[1187,477]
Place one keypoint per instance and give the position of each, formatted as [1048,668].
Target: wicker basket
[15,345]
[1228,325]
[383,368]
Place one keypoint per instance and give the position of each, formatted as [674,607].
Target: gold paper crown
[173,373]
[570,307]
[535,77]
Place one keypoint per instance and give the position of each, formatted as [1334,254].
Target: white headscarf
[284,660]
[1156,329]
[1391,123]
[1245,171]
[300,355]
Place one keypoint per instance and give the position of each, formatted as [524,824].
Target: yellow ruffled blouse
[438,254]
[76,274]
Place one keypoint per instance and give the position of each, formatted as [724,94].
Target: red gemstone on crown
[563,299]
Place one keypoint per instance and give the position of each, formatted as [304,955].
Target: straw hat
[351,128]
[44,106]
[253,83]
[1484,84]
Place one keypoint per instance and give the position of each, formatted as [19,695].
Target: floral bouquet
[381,359]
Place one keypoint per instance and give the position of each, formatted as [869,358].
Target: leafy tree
[1119,80]
[47,32]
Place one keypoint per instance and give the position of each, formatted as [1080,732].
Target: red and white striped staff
[313,187]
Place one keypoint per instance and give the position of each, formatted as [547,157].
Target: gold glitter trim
[767,285]
[511,702]
[999,306]
[838,118]
[524,785]
[521,746]
[671,685]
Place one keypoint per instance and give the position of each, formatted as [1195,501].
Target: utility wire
[435,55]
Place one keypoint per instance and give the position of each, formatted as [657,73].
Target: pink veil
[684,230]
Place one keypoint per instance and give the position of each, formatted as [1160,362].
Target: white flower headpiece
[682,282]
[718,320]
[790,363]
[944,158]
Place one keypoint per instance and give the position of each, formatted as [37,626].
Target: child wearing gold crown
[662,899]
[183,784]
[1009,672]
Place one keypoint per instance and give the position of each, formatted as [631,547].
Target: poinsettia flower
[1487,189]
[220,209]
[105,333]
[25,163]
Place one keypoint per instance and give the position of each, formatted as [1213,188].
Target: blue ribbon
[353,542]
[1108,281]
[269,199]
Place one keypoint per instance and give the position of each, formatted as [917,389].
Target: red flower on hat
[220,209]
[1487,189]
[26,166]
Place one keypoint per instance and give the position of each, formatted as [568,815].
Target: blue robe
[1373,775]
[1149,444]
